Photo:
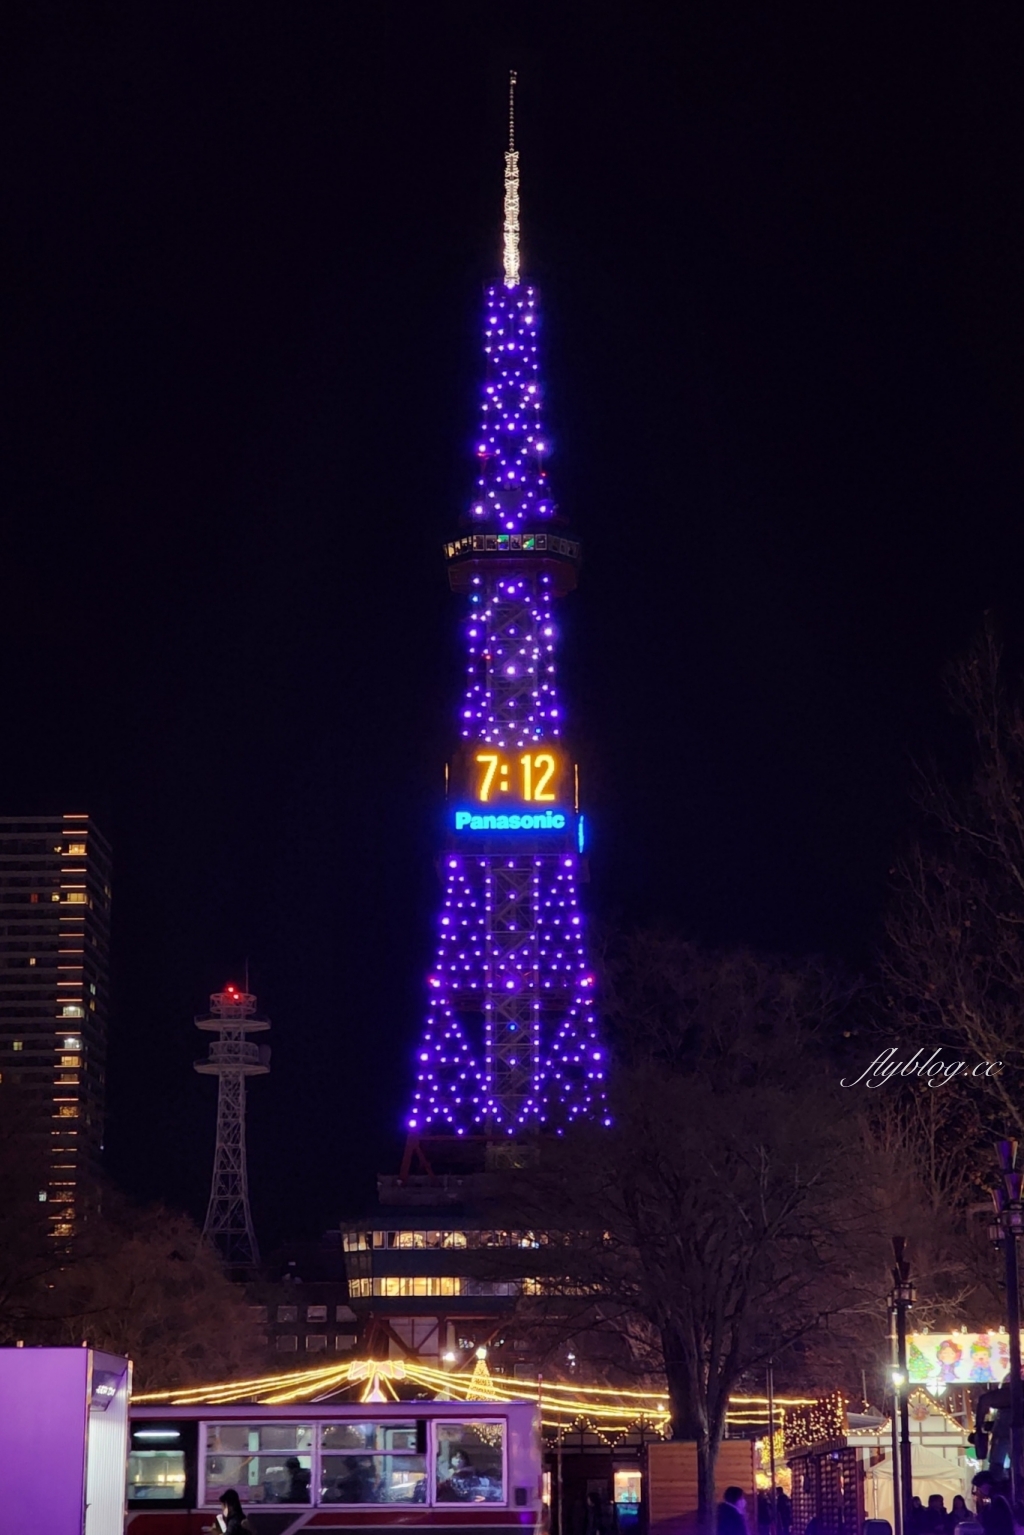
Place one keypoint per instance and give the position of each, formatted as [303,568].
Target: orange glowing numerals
[538,770]
[545,764]
[491,758]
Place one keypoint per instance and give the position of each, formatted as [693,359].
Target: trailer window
[156,1463]
[470,1462]
[263,1462]
[371,1463]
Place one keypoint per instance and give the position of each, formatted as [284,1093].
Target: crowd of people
[993,1514]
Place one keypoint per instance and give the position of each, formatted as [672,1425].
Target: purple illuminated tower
[511,1044]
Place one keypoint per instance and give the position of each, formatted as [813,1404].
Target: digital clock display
[523,778]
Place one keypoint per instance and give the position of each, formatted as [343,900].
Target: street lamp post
[1004,1231]
[901,1301]
[897,1500]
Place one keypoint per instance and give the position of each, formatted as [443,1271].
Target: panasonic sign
[542,820]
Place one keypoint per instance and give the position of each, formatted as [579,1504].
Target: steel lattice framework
[232,1057]
[511,1042]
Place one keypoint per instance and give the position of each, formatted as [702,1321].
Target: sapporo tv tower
[511,1045]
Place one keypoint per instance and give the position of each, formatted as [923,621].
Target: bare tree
[134,1281]
[714,1221]
[955,959]
[144,1285]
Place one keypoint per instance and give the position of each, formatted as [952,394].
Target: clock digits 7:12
[530,776]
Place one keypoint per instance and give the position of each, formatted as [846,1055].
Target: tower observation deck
[511,1045]
[232,1057]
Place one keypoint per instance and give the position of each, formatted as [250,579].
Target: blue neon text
[547,820]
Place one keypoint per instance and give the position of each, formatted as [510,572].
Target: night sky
[779,249]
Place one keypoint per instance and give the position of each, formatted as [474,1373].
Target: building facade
[55,897]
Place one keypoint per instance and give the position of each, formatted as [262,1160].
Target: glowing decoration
[512,193]
[820,1425]
[603,1410]
[377,1373]
[511,1042]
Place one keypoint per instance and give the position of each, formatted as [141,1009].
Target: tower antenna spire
[512,192]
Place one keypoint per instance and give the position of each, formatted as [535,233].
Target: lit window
[68,1111]
[42,1196]
[18,1044]
[32,959]
[267,1462]
[156,1468]
[405,1285]
[72,1010]
[72,1044]
[371,1463]
[75,897]
[470,1462]
[76,849]
[54,897]
[71,1060]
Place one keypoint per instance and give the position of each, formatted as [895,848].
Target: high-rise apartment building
[54,993]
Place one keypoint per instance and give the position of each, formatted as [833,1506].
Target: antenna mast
[232,1057]
[512,192]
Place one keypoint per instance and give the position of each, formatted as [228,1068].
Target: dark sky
[780,253]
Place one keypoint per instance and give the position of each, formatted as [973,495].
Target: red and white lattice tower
[232,1057]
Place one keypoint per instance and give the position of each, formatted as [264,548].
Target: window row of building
[364,1241]
[315,1342]
[397,1285]
[290,1313]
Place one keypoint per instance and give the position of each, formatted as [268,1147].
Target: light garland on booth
[821,1424]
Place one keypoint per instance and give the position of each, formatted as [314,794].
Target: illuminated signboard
[518,791]
[957,1358]
[484,820]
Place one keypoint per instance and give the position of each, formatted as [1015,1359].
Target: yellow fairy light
[605,1411]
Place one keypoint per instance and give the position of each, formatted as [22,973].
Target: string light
[816,1425]
[512,193]
[605,1411]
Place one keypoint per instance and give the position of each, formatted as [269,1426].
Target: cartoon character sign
[946,1359]
[949,1355]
